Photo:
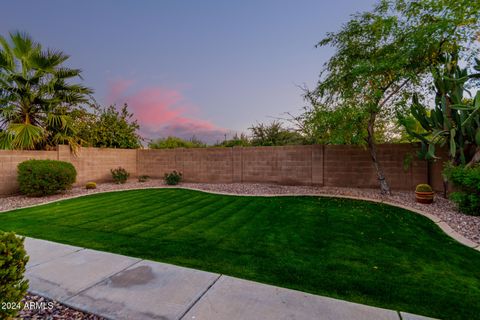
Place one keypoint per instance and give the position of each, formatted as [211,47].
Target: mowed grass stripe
[112,210]
[73,210]
[191,226]
[164,227]
[228,228]
[140,214]
[163,222]
[354,250]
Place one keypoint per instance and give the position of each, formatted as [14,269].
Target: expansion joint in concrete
[199,297]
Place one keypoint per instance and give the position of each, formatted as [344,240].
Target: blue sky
[186,68]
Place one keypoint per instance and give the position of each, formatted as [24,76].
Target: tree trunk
[384,187]
[475,158]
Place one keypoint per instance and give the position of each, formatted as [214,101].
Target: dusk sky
[185,68]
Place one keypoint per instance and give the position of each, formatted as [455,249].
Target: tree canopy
[384,56]
[274,134]
[36,95]
[108,127]
[172,142]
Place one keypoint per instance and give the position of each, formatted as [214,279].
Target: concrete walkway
[120,287]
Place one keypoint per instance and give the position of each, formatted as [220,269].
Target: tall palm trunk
[384,187]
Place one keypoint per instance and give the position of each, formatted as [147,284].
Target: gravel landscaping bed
[468,226]
[40,308]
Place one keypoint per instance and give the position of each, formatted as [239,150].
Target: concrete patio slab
[41,251]
[236,299]
[147,290]
[63,277]
[409,316]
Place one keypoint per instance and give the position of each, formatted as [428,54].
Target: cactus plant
[455,121]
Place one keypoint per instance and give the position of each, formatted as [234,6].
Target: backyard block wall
[9,161]
[92,164]
[332,166]
[350,166]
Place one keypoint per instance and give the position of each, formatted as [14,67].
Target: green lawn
[354,250]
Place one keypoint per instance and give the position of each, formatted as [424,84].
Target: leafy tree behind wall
[36,95]
[384,56]
[108,128]
[175,142]
[274,134]
[241,140]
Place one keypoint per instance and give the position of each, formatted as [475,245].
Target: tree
[382,57]
[36,96]
[274,134]
[241,141]
[108,128]
[175,142]
[321,124]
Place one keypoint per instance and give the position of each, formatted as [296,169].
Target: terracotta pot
[424,197]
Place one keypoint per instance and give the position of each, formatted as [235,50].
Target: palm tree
[36,96]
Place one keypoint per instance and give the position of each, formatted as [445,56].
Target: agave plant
[455,120]
[36,95]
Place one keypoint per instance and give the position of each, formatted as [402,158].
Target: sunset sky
[203,68]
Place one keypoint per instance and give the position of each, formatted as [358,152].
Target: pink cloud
[117,88]
[163,111]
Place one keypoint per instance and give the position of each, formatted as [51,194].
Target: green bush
[175,142]
[467,179]
[45,177]
[119,175]
[423,187]
[143,178]
[172,178]
[13,286]
[91,185]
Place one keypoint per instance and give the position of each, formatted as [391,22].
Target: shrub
[172,178]
[91,185]
[143,178]
[13,286]
[423,187]
[45,177]
[467,179]
[119,175]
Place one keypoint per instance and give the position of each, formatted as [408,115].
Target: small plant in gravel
[38,178]
[13,286]
[91,185]
[119,175]
[143,178]
[172,178]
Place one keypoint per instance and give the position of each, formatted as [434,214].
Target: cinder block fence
[324,165]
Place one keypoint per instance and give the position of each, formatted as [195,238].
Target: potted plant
[424,193]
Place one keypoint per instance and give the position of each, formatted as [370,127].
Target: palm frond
[65,73]
[6,139]
[23,45]
[57,120]
[25,135]
[63,138]
[47,60]
[6,62]
[6,55]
